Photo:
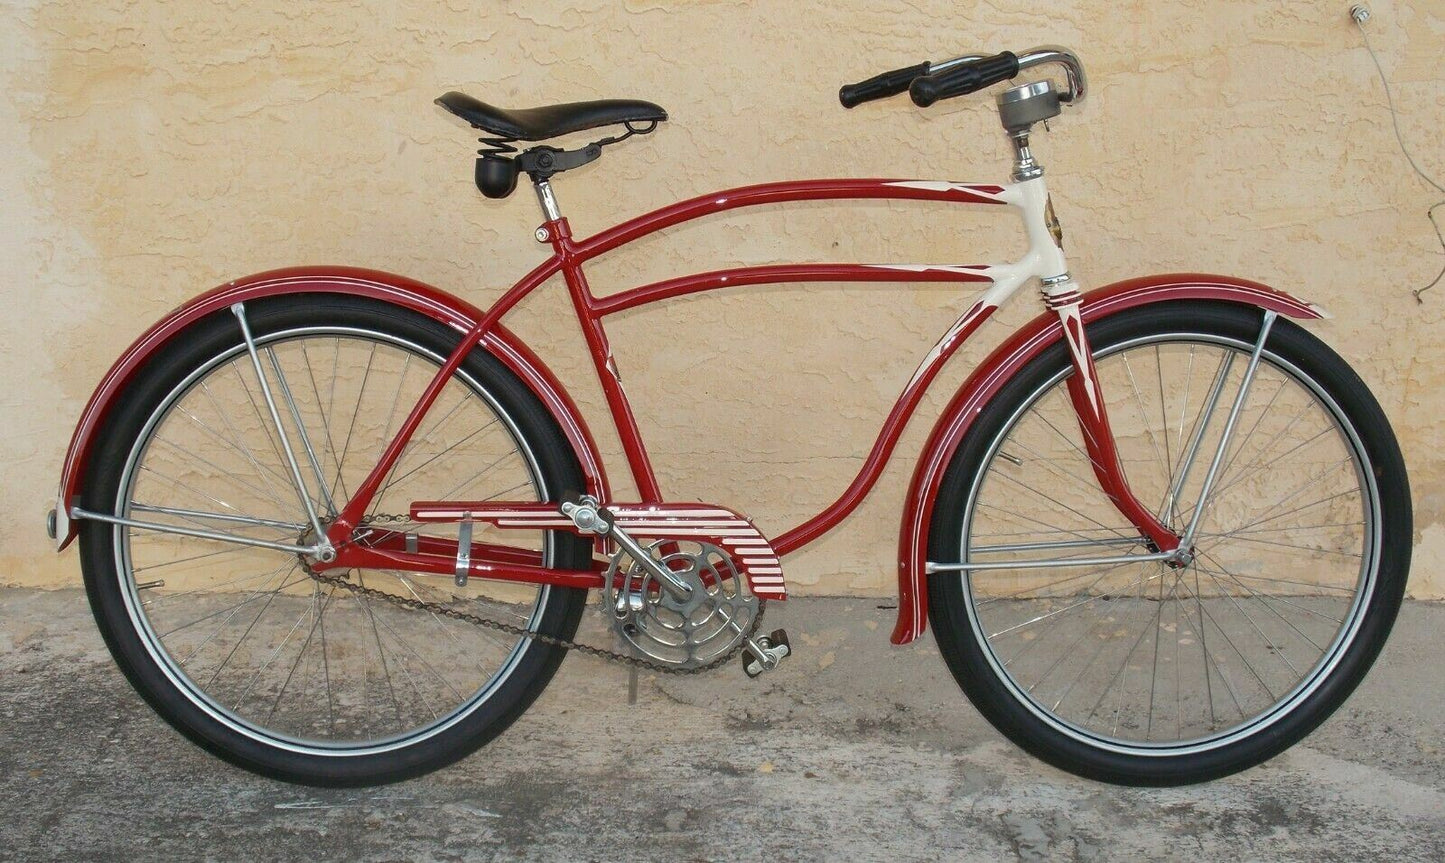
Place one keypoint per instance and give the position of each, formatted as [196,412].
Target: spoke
[1204,614]
[1278,544]
[282,570]
[380,651]
[262,471]
[240,604]
[1065,438]
[1154,675]
[407,646]
[1204,650]
[1247,471]
[391,417]
[1285,529]
[470,435]
[1179,681]
[1066,609]
[1066,654]
[414,446]
[256,409]
[245,634]
[474,477]
[442,624]
[139,569]
[1268,643]
[1164,417]
[1058,503]
[355,412]
[256,675]
[325,424]
[299,654]
[1099,651]
[164,598]
[1278,516]
[1047,462]
[1144,413]
[326,672]
[1124,664]
[1277,580]
[261,494]
[1032,520]
[1263,458]
[1244,441]
[1260,597]
[1209,659]
[1183,409]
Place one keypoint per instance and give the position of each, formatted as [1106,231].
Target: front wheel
[238,646]
[1146,673]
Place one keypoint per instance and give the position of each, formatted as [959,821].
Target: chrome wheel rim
[405,661]
[1044,673]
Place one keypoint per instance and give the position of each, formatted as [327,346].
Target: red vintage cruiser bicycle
[339,527]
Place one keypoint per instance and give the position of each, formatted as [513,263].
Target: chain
[518,631]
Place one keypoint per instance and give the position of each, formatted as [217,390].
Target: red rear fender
[434,303]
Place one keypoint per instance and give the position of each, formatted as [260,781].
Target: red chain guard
[698,522]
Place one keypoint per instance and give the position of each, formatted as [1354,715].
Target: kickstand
[631,685]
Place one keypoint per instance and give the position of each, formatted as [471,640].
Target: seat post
[547,199]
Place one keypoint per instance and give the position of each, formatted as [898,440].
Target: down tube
[893,427]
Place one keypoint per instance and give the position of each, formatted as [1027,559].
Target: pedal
[764,654]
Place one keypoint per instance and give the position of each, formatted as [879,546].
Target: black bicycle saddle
[549,121]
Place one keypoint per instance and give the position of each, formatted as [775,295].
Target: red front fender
[434,303]
[1035,337]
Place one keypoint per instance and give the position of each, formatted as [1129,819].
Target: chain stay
[522,632]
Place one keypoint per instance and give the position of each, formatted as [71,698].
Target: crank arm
[589,516]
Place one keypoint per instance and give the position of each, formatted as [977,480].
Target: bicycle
[339,527]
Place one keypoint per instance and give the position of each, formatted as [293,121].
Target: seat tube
[559,234]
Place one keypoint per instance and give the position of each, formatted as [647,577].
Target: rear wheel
[239,647]
[1143,673]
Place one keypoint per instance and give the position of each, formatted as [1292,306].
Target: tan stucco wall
[152,150]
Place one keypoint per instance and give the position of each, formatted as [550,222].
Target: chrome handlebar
[1041,55]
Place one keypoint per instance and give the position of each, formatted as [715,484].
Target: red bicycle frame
[1068,312]
[1044,261]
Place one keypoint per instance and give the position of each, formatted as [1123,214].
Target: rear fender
[399,290]
[1030,341]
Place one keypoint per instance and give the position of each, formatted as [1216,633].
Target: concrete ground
[854,750]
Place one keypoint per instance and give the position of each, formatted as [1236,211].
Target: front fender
[1035,337]
[437,304]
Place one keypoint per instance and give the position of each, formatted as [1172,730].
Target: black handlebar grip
[880,86]
[964,78]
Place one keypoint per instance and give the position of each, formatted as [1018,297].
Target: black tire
[558,610]
[965,646]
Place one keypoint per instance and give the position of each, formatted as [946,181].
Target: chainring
[684,632]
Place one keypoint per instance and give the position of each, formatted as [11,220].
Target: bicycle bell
[1021,107]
